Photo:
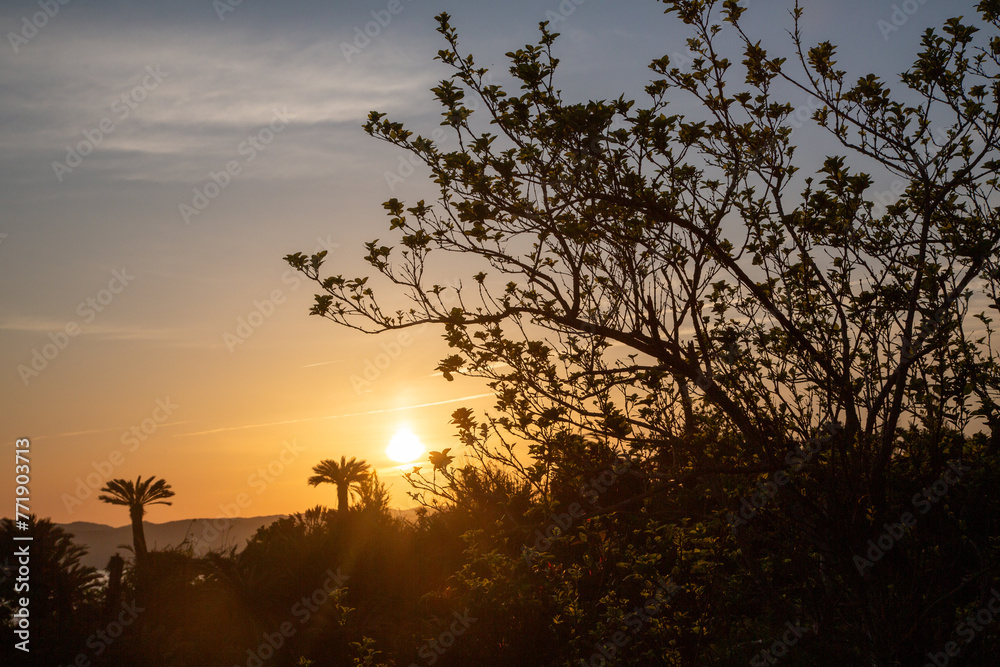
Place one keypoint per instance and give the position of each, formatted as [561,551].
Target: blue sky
[164,98]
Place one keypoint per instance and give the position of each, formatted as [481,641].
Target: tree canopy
[782,360]
[136,495]
[348,476]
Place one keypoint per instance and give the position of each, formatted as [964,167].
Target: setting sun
[404,446]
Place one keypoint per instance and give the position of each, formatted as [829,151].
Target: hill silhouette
[103,541]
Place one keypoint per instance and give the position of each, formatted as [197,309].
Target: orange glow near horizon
[255,445]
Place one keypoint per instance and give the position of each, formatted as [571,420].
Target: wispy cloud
[217,88]
[93,431]
[325,363]
[101,330]
[340,416]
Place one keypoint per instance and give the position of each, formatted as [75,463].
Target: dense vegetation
[746,407]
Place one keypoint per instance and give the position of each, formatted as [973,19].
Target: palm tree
[344,474]
[61,584]
[64,598]
[137,495]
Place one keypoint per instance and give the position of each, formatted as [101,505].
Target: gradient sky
[100,248]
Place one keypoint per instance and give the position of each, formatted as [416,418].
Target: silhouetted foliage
[741,404]
[346,476]
[136,495]
[63,593]
[716,358]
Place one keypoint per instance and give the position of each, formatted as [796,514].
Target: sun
[404,446]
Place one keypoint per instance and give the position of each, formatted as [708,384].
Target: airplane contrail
[324,363]
[113,429]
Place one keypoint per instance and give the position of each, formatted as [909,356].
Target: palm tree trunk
[138,536]
[342,498]
[113,599]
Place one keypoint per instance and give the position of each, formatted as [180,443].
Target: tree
[62,589]
[345,475]
[136,495]
[374,497]
[725,314]
[62,582]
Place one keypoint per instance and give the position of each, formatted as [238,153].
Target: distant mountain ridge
[103,541]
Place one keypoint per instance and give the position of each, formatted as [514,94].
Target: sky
[157,161]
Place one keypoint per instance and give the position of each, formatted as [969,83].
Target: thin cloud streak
[40,325]
[194,117]
[114,429]
[325,363]
[343,416]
